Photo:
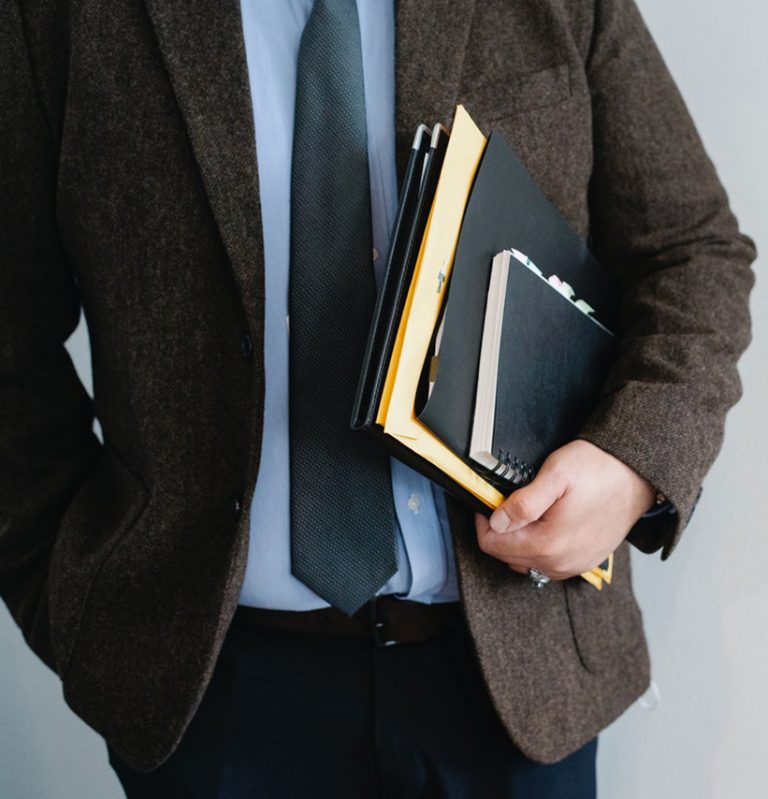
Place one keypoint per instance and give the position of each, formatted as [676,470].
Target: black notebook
[543,357]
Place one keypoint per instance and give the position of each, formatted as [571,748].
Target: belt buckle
[377,626]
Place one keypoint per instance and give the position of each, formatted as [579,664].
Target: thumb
[527,504]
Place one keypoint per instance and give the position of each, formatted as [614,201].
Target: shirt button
[246,345]
[237,504]
[414,503]
[375,253]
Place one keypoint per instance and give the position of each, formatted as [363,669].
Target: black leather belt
[385,620]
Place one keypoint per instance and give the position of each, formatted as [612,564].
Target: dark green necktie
[342,521]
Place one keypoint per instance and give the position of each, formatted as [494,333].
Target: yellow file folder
[426,293]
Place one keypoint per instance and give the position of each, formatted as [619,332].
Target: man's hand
[576,511]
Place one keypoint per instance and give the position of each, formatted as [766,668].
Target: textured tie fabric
[343,542]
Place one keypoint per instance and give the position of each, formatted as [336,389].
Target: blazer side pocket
[607,625]
[106,506]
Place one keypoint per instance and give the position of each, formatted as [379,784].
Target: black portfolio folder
[415,202]
[507,209]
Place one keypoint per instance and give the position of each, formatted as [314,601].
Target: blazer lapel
[204,53]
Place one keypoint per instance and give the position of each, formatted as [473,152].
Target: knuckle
[566,568]
[522,507]
[485,542]
[556,567]
[550,550]
[553,462]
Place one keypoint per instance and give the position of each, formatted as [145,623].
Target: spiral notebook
[543,356]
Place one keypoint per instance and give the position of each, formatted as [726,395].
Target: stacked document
[494,324]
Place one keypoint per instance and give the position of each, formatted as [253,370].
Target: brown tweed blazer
[129,188]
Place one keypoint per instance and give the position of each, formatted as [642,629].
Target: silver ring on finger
[538,578]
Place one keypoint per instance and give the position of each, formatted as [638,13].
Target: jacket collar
[204,54]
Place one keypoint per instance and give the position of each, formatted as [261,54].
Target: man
[162,166]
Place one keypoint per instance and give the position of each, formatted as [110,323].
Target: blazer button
[246,345]
[237,504]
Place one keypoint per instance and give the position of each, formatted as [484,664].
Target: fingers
[522,548]
[539,545]
[529,503]
[565,521]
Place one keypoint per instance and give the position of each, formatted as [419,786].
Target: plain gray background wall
[704,609]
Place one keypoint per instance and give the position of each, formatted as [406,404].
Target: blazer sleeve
[660,218]
[47,445]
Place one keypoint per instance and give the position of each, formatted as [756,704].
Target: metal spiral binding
[512,469]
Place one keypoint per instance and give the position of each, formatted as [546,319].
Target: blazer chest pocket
[501,96]
[105,507]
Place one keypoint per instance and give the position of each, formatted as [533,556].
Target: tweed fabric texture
[128,168]
[342,519]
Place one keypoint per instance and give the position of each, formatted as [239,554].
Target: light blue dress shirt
[272,31]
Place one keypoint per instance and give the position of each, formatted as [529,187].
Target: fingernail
[500,521]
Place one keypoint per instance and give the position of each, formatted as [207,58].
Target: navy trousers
[293,716]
